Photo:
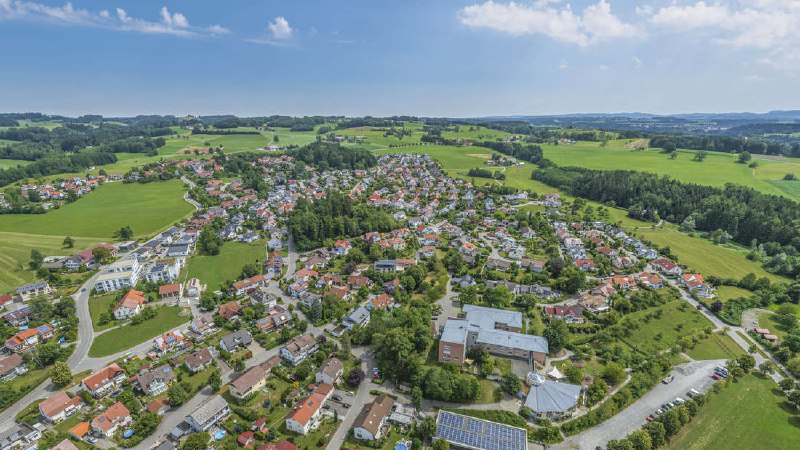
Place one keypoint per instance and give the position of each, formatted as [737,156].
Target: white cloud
[175,24]
[637,63]
[563,65]
[280,29]
[595,24]
[769,26]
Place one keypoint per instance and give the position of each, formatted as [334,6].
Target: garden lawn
[128,336]
[767,320]
[716,346]
[213,271]
[749,414]
[15,252]
[147,208]
[98,306]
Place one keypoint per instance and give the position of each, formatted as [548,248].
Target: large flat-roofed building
[471,433]
[493,330]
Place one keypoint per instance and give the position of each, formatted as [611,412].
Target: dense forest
[720,144]
[313,225]
[328,155]
[749,217]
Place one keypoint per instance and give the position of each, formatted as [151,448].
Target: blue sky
[436,58]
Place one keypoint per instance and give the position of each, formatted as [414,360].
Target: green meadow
[749,413]
[213,271]
[147,208]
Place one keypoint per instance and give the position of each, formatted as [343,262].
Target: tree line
[52,165]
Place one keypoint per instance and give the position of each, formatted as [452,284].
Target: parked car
[692,393]
[679,401]
[716,377]
[668,379]
[337,397]
[351,393]
[650,418]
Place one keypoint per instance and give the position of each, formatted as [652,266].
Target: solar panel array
[479,434]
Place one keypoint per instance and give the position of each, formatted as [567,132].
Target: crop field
[717,169]
[227,265]
[147,208]
[15,252]
[378,136]
[750,413]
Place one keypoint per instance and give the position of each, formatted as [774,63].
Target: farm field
[748,414]
[15,252]
[717,170]
[147,208]
[127,336]
[216,270]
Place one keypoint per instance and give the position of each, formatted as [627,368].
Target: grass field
[725,293]
[704,256]
[679,319]
[717,170]
[716,346]
[6,163]
[749,414]
[215,270]
[119,339]
[147,208]
[100,305]
[15,252]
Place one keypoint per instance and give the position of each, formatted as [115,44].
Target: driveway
[694,375]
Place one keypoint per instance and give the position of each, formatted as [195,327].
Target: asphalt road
[694,375]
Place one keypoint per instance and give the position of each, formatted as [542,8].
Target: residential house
[359,317]
[253,379]
[650,280]
[29,291]
[112,419]
[164,271]
[666,267]
[208,414]
[199,360]
[129,305]
[193,288]
[168,342]
[59,406]
[330,371]
[155,381]
[299,348]
[230,310]
[341,248]
[239,338]
[242,286]
[569,314]
[203,324]
[104,381]
[24,340]
[170,291]
[122,274]
[382,301]
[697,285]
[307,412]
[370,422]
[11,367]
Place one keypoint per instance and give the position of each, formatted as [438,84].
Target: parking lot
[694,375]
[339,405]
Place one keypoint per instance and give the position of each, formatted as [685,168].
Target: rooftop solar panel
[479,434]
